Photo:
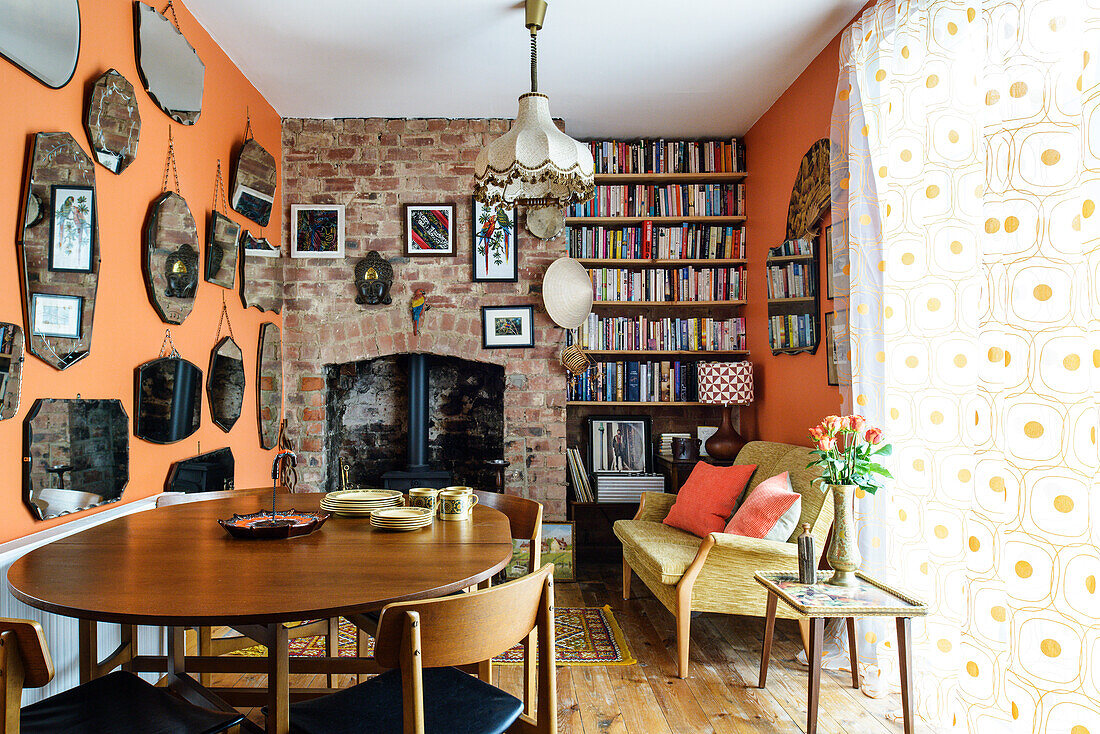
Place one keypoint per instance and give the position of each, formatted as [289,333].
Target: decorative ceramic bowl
[262,526]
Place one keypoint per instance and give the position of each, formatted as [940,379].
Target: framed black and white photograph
[505,327]
[619,444]
[317,230]
[495,256]
[430,230]
[256,205]
[836,259]
[72,224]
[56,316]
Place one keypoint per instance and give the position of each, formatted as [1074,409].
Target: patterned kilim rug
[585,636]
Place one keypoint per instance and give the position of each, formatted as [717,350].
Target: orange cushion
[770,511]
[708,497]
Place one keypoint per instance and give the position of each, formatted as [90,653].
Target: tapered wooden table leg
[177,649]
[853,652]
[905,660]
[769,630]
[89,649]
[817,634]
[278,680]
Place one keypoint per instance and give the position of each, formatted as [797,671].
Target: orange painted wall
[127,331]
[792,392]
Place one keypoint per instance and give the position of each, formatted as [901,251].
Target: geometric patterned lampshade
[725,383]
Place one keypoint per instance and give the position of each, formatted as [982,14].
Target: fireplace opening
[379,412]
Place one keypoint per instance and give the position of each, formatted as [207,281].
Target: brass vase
[843,553]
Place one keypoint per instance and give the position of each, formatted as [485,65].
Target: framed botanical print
[507,327]
[72,224]
[317,230]
[619,444]
[495,256]
[430,230]
[56,316]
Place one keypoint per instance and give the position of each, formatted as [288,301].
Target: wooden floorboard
[719,696]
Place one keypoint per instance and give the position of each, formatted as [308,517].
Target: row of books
[792,332]
[689,283]
[793,280]
[792,247]
[688,241]
[637,382]
[668,334]
[668,156]
[666,200]
[7,338]
[578,475]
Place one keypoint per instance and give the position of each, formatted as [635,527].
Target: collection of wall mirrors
[76,451]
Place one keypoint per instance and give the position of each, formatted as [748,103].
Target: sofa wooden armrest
[655,506]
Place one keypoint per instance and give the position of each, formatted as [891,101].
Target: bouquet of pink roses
[847,448]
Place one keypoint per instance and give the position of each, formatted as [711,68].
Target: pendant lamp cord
[534,62]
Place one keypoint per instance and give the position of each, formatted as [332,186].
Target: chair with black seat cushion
[118,703]
[423,692]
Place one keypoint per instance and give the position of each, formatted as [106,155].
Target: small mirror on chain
[167,396]
[225,380]
[222,237]
[171,250]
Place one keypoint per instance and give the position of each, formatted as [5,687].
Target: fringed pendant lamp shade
[534,163]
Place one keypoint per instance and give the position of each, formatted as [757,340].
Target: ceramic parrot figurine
[419,305]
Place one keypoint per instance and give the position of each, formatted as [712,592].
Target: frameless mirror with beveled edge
[269,385]
[42,37]
[167,399]
[225,383]
[169,66]
[11,369]
[76,455]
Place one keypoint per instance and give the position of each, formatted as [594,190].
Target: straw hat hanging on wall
[567,295]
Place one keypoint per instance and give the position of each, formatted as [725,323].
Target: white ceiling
[611,67]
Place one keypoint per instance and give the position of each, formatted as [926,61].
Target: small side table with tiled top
[820,601]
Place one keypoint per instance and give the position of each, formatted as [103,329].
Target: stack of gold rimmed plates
[402,518]
[361,502]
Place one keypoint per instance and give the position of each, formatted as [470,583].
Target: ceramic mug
[455,504]
[463,490]
[423,497]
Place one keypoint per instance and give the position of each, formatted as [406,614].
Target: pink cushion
[708,497]
[770,511]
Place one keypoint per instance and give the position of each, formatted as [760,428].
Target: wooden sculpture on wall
[810,195]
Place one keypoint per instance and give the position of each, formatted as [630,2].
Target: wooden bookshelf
[617,262]
[666,304]
[716,220]
[775,259]
[666,354]
[620,179]
[797,306]
[635,403]
[807,299]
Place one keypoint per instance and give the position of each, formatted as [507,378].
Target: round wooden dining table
[175,566]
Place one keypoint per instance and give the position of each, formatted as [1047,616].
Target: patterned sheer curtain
[967,163]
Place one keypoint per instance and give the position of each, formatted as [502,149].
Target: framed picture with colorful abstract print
[495,257]
[317,230]
[430,230]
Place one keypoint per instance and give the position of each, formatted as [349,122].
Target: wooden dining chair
[118,703]
[210,645]
[421,643]
[524,518]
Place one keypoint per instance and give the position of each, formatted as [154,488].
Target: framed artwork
[557,547]
[830,344]
[258,246]
[619,444]
[842,346]
[495,258]
[836,259]
[72,224]
[504,327]
[317,230]
[58,316]
[430,230]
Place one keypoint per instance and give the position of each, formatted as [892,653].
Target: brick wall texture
[375,166]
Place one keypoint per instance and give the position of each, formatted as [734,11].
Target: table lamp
[726,384]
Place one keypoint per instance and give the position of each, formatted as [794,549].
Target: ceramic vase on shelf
[843,554]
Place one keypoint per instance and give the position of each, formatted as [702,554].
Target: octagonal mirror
[59,250]
[221,250]
[269,385]
[225,383]
[76,455]
[167,396]
[171,258]
[254,182]
[11,369]
[209,472]
[113,121]
[169,66]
